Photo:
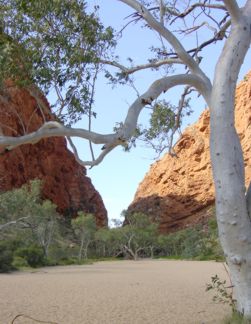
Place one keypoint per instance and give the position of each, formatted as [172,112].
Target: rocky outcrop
[178,191]
[64,180]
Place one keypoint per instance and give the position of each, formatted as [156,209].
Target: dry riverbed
[115,292]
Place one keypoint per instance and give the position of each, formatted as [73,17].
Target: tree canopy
[62,46]
[56,46]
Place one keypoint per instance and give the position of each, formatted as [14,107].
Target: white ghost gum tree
[234,29]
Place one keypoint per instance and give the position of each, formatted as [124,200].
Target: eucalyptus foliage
[84,227]
[24,210]
[56,45]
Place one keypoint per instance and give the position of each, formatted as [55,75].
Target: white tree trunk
[81,249]
[228,167]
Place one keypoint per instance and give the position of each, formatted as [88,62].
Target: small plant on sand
[236,318]
[223,293]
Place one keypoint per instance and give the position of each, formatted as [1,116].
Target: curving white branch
[159,86]
[127,129]
[154,91]
[105,151]
[75,151]
[51,129]
[101,157]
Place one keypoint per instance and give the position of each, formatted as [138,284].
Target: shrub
[68,261]
[33,255]
[199,242]
[6,257]
[19,262]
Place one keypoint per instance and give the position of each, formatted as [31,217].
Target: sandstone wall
[65,181]
[178,191]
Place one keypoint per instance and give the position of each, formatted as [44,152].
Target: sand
[115,292]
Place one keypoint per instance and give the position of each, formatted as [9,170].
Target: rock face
[178,191]
[64,181]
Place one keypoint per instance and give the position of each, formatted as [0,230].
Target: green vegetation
[223,293]
[137,238]
[6,258]
[236,318]
[199,243]
[84,226]
[54,45]
[32,255]
[28,227]
[34,235]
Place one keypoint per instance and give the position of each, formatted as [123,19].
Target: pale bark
[49,231]
[228,165]
[84,246]
[81,249]
[233,9]
[14,222]
[111,141]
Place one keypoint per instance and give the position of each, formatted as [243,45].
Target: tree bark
[228,166]
[81,249]
[86,250]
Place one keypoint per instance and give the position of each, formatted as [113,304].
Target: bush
[68,261]
[33,255]
[6,257]
[199,242]
[19,262]
[62,251]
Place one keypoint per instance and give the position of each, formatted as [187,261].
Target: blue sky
[119,175]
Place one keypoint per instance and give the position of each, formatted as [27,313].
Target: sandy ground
[120,292]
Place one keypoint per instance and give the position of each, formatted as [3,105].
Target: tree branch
[164,32]
[51,129]
[177,14]
[161,11]
[181,105]
[13,222]
[127,129]
[153,65]
[196,5]
[233,9]
[75,151]
[31,318]
[219,36]
[158,87]
[94,162]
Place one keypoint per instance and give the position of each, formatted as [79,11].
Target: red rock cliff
[64,180]
[178,191]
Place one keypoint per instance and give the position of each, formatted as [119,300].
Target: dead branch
[32,318]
